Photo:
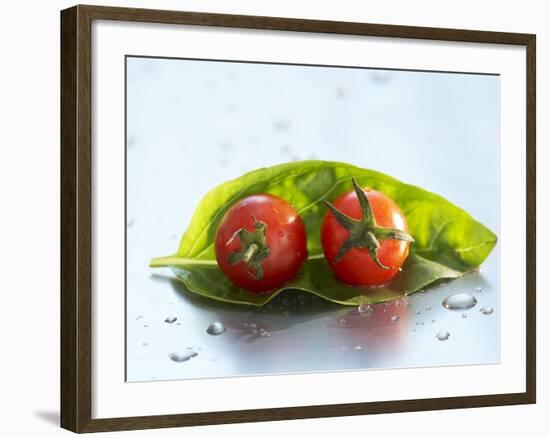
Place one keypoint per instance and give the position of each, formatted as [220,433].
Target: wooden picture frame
[76,217]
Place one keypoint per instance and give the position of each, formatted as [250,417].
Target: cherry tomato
[364,237]
[261,243]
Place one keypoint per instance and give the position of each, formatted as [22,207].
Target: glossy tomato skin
[285,237]
[356,267]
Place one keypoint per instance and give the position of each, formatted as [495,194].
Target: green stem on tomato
[365,232]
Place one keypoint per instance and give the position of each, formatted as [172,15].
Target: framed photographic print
[271,218]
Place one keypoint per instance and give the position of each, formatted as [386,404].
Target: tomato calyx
[364,233]
[254,248]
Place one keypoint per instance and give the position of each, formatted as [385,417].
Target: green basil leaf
[448,241]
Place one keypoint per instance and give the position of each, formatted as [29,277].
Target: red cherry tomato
[261,243]
[353,257]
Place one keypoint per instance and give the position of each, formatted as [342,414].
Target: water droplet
[395,318]
[182,356]
[443,335]
[341,93]
[478,289]
[464,315]
[280,233]
[281,125]
[358,348]
[216,328]
[459,301]
[486,310]
[170,319]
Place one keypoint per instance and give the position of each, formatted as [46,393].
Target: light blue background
[194,124]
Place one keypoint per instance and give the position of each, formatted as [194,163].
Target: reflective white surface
[194,124]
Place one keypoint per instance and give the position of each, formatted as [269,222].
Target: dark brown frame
[76,236]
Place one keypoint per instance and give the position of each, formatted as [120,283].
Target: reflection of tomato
[364,237]
[261,243]
[386,322]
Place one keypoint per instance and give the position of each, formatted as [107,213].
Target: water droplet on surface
[486,310]
[459,301]
[478,289]
[182,356]
[395,318]
[358,348]
[170,319]
[464,316]
[442,335]
[216,328]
